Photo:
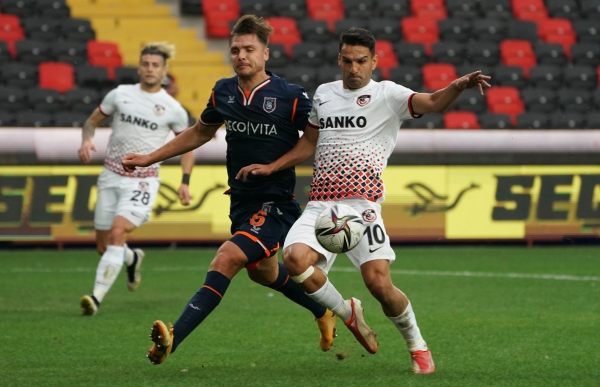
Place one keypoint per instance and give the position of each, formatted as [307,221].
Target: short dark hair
[251,24]
[164,49]
[358,37]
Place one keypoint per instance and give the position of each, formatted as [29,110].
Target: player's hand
[184,194]
[254,169]
[85,151]
[469,81]
[133,160]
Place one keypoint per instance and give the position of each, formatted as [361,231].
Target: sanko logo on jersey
[342,122]
[250,127]
[139,121]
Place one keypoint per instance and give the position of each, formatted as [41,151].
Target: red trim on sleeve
[212,97]
[101,111]
[313,125]
[410,108]
[294,109]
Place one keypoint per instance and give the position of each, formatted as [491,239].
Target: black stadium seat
[126,75]
[44,100]
[39,28]
[332,51]
[82,100]
[21,75]
[596,97]
[593,120]
[495,121]
[575,100]
[33,51]
[533,121]
[77,29]
[510,76]
[28,118]
[465,9]
[550,54]
[385,29]
[4,53]
[413,54]
[581,77]
[302,75]
[428,121]
[74,53]
[471,101]
[7,119]
[290,8]
[455,30]
[587,31]
[565,9]
[277,56]
[12,99]
[396,9]
[57,9]
[567,120]
[329,74]
[21,8]
[496,9]
[449,52]
[483,53]
[591,9]
[315,31]
[308,54]
[522,30]
[489,30]
[549,77]
[92,76]
[586,54]
[407,76]
[263,8]
[360,9]
[540,100]
[69,119]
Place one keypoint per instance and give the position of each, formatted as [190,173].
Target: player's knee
[295,261]
[117,235]
[379,285]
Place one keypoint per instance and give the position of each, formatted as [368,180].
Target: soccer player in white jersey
[143,114]
[353,129]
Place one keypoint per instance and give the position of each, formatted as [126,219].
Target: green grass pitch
[492,316]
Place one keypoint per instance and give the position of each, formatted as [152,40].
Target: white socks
[108,269]
[128,256]
[407,325]
[329,297]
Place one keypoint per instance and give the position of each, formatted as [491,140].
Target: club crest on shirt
[159,110]
[144,186]
[363,100]
[369,215]
[269,104]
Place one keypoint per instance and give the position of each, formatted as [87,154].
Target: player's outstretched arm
[302,151]
[441,100]
[87,133]
[190,139]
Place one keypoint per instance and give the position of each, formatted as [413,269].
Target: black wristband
[185,179]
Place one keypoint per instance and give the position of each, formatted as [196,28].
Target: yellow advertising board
[423,203]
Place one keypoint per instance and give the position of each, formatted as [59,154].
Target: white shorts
[374,245]
[129,197]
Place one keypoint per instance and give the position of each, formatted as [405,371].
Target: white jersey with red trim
[141,123]
[357,134]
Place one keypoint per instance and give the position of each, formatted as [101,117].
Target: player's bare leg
[299,260]
[397,307]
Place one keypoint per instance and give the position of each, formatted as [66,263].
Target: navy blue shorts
[259,229]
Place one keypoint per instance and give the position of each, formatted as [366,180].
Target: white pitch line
[556,277]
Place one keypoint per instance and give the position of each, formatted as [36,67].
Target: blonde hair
[164,49]
[251,24]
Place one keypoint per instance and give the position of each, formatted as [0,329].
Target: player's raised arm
[190,139]
[441,100]
[87,133]
[302,151]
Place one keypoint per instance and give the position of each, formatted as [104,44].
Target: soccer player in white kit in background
[143,114]
[353,128]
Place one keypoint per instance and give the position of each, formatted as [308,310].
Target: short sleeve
[180,120]
[108,104]
[313,118]
[301,110]
[399,99]
[210,115]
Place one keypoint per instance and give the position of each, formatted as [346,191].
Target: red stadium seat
[387,58]
[518,53]
[285,32]
[438,75]
[110,63]
[218,15]
[557,31]
[56,76]
[210,6]
[429,9]
[505,100]
[97,49]
[11,32]
[533,10]
[417,30]
[327,10]
[10,23]
[461,120]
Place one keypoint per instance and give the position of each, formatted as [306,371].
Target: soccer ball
[339,228]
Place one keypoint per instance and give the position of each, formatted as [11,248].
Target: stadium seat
[79,30]
[549,77]
[33,51]
[429,9]
[329,74]
[517,53]
[396,9]
[7,119]
[92,76]
[360,9]
[557,31]
[262,8]
[587,31]
[285,32]
[495,121]
[510,76]
[332,51]
[593,120]
[341,26]
[586,54]
[540,100]
[218,17]
[567,120]
[575,100]
[483,53]
[70,119]
[126,75]
[74,53]
[20,8]
[42,29]
[23,75]
[295,9]
[596,96]
[504,100]
[28,118]
[471,101]
[591,9]
[377,75]
[277,56]
[424,31]
[328,10]
[57,76]
[464,9]
[567,9]
[190,7]
[44,100]
[533,121]
[522,30]
[413,54]
[102,49]
[448,52]
[12,99]
[581,77]
[11,31]
[461,120]
[386,57]
[316,31]
[385,29]
[5,55]
[303,76]
[82,100]
[10,23]
[428,121]
[308,54]
[57,9]
[110,63]
[496,9]
[454,30]
[407,76]
[550,54]
[534,10]
[438,75]
[489,30]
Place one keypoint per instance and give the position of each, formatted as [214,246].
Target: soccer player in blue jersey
[262,114]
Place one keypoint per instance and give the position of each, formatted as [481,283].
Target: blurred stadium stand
[544,55]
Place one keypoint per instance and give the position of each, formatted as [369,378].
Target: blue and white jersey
[262,125]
